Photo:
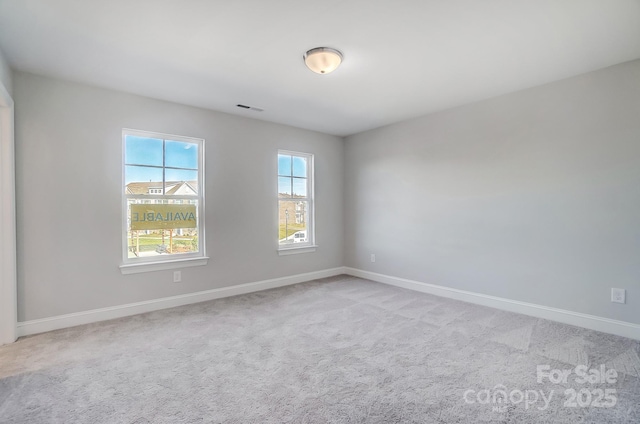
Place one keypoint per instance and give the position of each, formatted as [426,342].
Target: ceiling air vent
[255,109]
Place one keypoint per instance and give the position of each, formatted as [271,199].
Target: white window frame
[161,262]
[310,245]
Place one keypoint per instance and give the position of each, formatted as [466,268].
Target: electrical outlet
[618,295]
[177,276]
[373,257]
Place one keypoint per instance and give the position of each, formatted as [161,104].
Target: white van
[300,237]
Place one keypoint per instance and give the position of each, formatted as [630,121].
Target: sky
[290,167]
[148,151]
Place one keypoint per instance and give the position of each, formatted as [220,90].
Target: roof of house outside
[171,187]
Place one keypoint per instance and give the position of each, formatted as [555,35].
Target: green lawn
[148,242]
[291,228]
[152,239]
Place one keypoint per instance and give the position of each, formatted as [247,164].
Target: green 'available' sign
[162,217]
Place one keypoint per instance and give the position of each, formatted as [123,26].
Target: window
[295,202]
[163,201]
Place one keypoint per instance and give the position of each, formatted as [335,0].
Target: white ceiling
[402,58]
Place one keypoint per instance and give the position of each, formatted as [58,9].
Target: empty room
[344,211]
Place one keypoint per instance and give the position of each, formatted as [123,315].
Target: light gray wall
[68,163]
[5,74]
[532,196]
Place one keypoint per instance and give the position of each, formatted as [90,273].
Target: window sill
[296,250]
[161,266]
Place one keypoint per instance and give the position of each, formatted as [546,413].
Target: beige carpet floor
[338,350]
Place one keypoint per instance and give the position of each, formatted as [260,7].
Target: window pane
[143,150]
[292,219]
[181,154]
[284,165]
[142,179]
[299,166]
[284,186]
[154,230]
[180,181]
[300,187]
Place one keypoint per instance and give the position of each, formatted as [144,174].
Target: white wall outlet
[177,276]
[618,295]
[373,257]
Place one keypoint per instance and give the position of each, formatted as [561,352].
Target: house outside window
[163,201]
[296,232]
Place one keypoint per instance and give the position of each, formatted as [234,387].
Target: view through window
[163,196]
[295,199]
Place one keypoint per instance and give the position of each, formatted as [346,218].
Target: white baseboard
[592,322]
[36,326]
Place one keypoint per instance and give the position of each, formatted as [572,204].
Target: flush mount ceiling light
[322,60]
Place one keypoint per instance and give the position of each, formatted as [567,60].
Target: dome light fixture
[322,60]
